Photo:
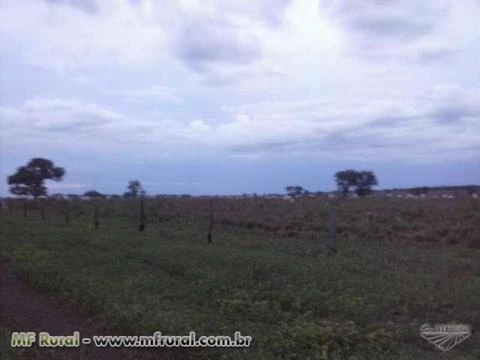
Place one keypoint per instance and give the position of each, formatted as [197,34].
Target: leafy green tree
[295,190]
[93,193]
[364,183]
[361,181]
[29,180]
[135,189]
[345,180]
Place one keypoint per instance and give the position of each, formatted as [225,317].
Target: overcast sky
[222,96]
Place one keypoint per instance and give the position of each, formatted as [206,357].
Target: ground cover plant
[400,263]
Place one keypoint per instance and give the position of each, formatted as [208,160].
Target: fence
[274,216]
[443,221]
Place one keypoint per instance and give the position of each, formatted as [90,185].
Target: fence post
[210,223]
[42,209]
[142,215]
[67,211]
[332,244]
[95,216]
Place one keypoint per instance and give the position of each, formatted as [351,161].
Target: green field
[400,264]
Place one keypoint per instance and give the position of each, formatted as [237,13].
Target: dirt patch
[25,309]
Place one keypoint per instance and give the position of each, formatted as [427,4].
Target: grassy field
[400,264]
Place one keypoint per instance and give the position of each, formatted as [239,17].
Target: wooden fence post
[142,215]
[332,244]
[67,211]
[95,216]
[210,223]
[42,209]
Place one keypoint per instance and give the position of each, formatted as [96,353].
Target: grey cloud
[348,140]
[221,77]
[201,44]
[390,27]
[79,126]
[443,122]
[90,6]
[451,113]
[265,146]
[218,47]
[273,10]
[391,120]
[369,143]
[434,55]
[385,29]
[72,117]
[207,36]
[392,19]
[270,11]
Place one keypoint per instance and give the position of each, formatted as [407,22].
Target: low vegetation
[400,264]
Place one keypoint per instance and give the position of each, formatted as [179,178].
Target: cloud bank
[330,79]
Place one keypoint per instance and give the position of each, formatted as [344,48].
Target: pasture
[400,263]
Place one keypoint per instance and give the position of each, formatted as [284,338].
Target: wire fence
[274,216]
[305,218]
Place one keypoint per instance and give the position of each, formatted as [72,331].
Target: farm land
[400,263]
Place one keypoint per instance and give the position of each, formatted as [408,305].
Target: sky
[231,97]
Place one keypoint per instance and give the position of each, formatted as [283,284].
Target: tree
[364,183]
[345,180]
[94,193]
[30,179]
[135,189]
[294,190]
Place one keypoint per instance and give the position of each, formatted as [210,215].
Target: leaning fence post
[210,223]
[332,244]
[142,215]
[95,215]
[67,212]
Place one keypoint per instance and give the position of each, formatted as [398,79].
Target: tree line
[29,180]
[360,182]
